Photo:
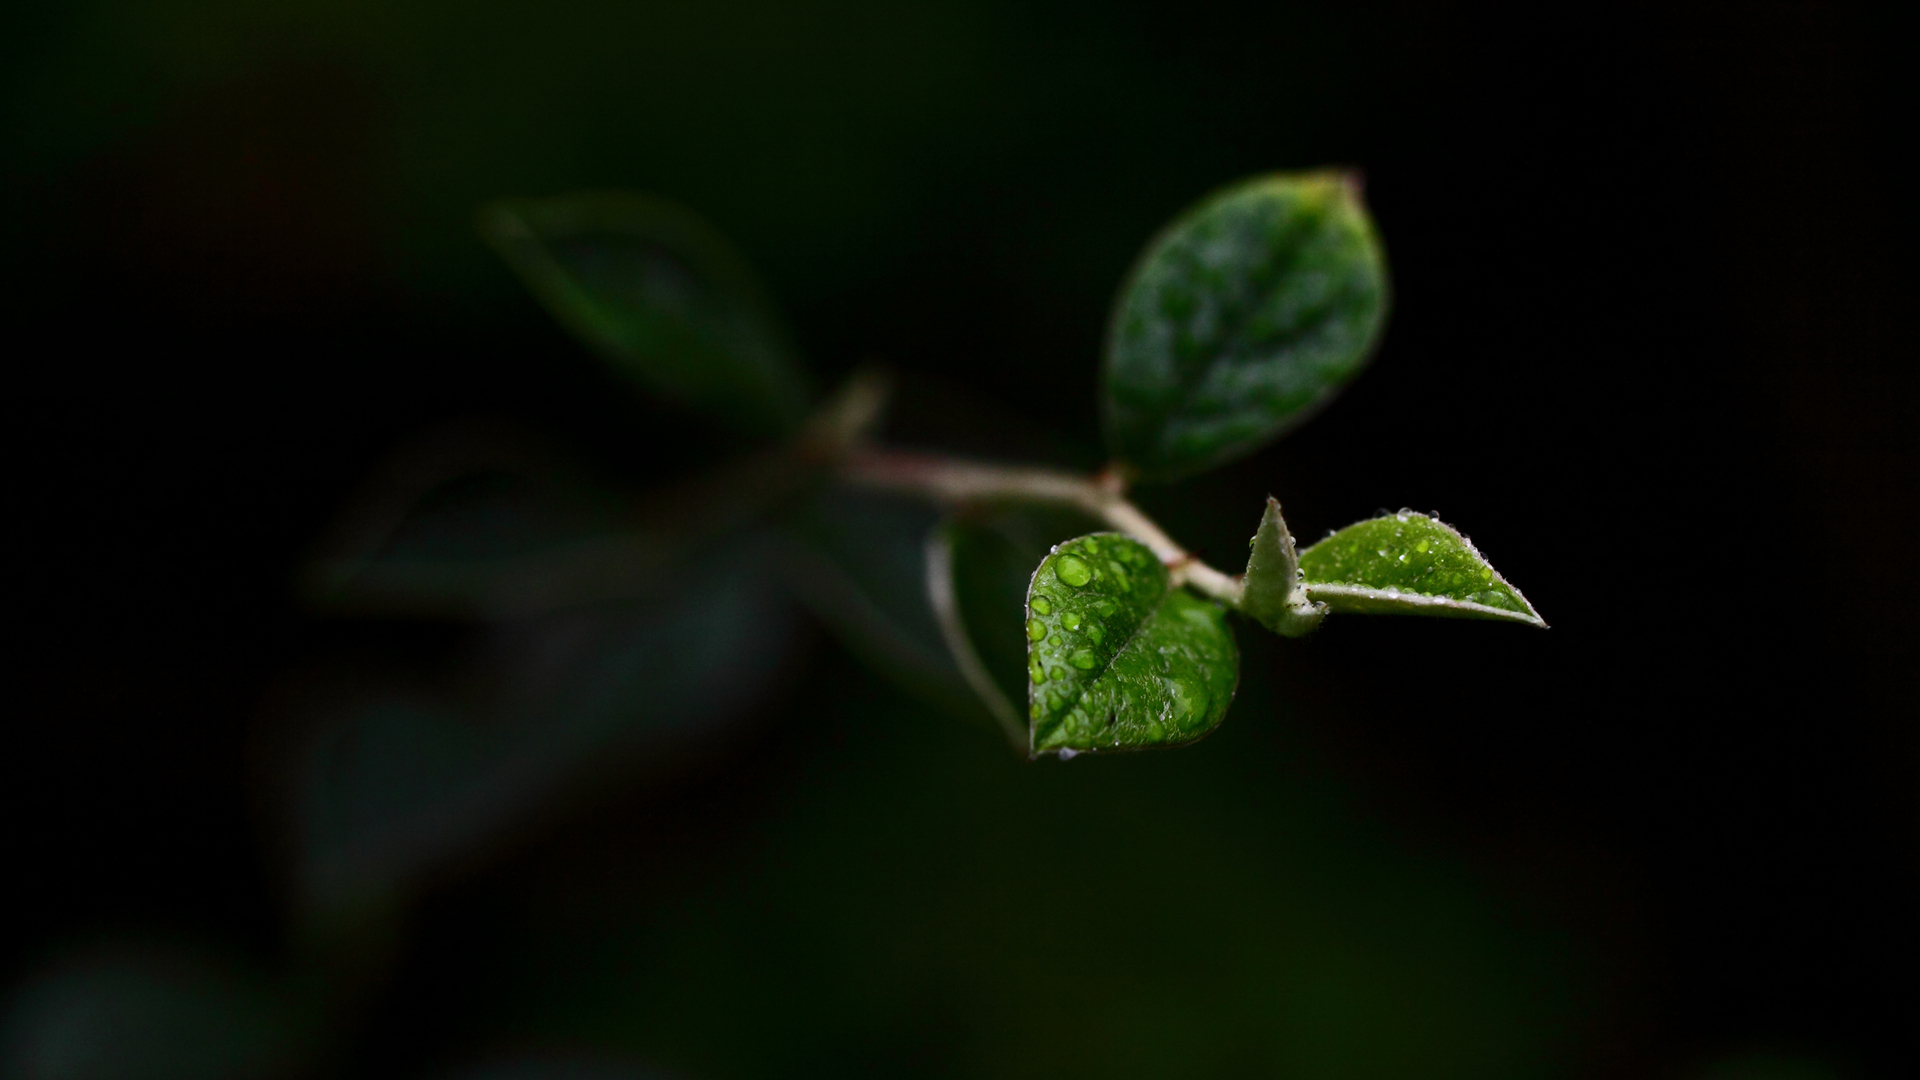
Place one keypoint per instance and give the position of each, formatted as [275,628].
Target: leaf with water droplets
[1251,311]
[1118,658]
[1410,564]
[1273,590]
[662,297]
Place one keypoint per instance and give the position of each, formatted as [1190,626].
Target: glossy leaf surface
[1248,313]
[1410,564]
[1274,591]
[990,561]
[662,297]
[1117,659]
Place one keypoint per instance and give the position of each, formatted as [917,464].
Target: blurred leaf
[662,297]
[556,1068]
[858,560]
[1410,564]
[1246,315]
[1274,591]
[1117,658]
[476,521]
[403,773]
[149,1015]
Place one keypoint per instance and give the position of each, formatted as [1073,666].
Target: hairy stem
[959,482]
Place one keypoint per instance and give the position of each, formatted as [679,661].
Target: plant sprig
[1243,318]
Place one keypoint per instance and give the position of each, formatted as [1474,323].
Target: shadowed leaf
[661,296]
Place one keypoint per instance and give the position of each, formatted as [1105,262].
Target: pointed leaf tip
[1410,564]
[1273,591]
[1118,659]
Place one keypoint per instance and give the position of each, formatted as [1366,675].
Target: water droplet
[1106,608]
[1034,711]
[1072,571]
[1095,634]
[1071,620]
[1041,606]
[1422,546]
[1084,660]
[1486,573]
[1120,576]
[1034,672]
[1036,630]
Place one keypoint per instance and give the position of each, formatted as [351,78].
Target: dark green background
[1649,350]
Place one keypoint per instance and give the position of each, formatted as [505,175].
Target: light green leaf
[1274,592]
[662,297]
[1118,659]
[1240,320]
[1410,564]
[988,559]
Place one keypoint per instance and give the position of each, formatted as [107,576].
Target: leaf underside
[662,297]
[1410,564]
[1248,313]
[1117,659]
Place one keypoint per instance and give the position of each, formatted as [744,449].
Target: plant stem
[959,482]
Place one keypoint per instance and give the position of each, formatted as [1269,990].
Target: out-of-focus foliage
[1247,314]
[662,296]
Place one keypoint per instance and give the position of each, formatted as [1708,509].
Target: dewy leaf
[1410,564]
[990,559]
[662,297]
[1274,592]
[1248,313]
[1117,659]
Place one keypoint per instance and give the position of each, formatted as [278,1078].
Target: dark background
[1650,350]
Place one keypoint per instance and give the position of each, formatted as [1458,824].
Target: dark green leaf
[406,768]
[859,561]
[1247,314]
[1410,564]
[1274,591]
[1117,659]
[662,297]
[150,1014]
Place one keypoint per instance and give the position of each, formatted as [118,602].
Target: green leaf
[1410,564]
[990,557]
[1117,658]
[1274,592]
[1240,320]
[662,297]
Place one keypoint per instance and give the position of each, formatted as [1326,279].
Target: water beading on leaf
[1117,659]
[989,559]
[1410,564]
[1274,592]
[1250,311]
[662,297]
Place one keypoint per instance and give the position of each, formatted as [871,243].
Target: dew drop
[1084,660]
[1095,634]
[1041,606]
[1073,571]
[1036,630]
[1071,620]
